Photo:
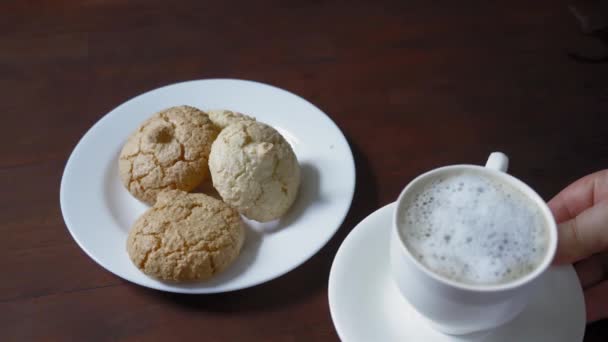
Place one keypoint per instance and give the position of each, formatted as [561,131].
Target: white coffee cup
[454,307]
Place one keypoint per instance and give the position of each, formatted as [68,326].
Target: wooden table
[412,84]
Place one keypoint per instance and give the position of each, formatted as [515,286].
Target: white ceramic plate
[366,305]
[99,211]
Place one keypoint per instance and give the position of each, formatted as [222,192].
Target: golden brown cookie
[255,170]
[222,117]
[170,150]
[185,237]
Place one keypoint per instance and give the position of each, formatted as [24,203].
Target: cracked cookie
[255,170]
[170,150]
[222,117]
[185,237]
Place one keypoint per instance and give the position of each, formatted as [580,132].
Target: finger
[580,195]
[584,235]
[596,302]
[592,270]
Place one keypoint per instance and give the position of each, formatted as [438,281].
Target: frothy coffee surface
[474,230]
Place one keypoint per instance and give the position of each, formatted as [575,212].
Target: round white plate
[366,305]
[99,211]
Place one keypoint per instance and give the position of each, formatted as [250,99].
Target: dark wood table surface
[412,84]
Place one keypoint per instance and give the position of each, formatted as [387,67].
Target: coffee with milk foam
[474,230]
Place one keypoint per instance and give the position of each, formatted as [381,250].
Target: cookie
[255,170]
[222,117]
[170,150]
[185,237]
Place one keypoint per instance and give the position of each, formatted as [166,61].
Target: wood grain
[412,84]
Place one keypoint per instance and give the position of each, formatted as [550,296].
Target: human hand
[581,211]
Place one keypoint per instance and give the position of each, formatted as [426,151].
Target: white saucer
[99,211]
[366,305]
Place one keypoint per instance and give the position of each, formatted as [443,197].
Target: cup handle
[498,161]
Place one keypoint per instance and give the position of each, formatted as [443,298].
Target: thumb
[584,235]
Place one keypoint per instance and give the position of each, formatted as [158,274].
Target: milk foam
[474,230]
